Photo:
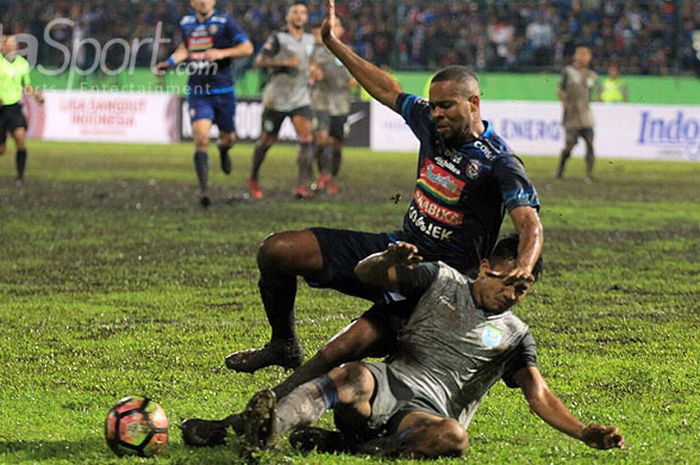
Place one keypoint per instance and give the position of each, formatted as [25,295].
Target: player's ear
[484,266]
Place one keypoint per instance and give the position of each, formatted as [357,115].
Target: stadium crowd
[644,37]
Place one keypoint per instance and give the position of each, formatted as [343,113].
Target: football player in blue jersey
[211,40]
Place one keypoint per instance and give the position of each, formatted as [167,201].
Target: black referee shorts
[11,118]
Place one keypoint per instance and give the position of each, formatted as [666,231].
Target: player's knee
[277,251]
[354,374]
[452,437]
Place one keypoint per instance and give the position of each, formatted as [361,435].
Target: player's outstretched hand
[518,275]
[403,254]
[328,25]
[603,437]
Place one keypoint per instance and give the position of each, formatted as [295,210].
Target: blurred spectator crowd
[643,37]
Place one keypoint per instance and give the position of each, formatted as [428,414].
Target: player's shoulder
[221,17]
[188,20]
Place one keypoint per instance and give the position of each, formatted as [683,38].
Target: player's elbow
[247,49]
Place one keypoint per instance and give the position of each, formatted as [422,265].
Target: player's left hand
[403,254]
[213,54]
[602,437]
[39,98]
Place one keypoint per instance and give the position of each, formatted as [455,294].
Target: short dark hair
[507,250]
[457,73]
[462,75]
[298,2]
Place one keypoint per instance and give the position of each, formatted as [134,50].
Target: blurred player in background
[288,55]
[330,101]
[613,87]
[14,82]
[578,82]
[211,40]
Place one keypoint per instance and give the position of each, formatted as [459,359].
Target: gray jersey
[451,352]
[331,94]
[288,88]
[577,84]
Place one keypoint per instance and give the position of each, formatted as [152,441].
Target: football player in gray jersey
[577,86]
[330,101]
[461,339]
[287,54]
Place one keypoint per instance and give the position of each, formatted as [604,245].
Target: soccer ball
[136,426]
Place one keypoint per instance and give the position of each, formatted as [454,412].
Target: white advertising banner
[105,117]
[646,132]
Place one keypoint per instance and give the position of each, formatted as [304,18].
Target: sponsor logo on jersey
[200,43]
[485,149]
[440,183]
[426,227]
[491,336]
[448,165]
[435,211]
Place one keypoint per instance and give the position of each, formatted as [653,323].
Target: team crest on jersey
[213,29]
[473,169]
[491,336]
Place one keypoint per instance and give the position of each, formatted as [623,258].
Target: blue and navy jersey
[218,31]
[461,195]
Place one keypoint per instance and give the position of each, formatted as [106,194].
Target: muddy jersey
[451,352]
[331,94]
[288,88]
[577,85]
[219,31]
[461,195]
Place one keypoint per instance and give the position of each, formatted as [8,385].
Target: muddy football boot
[203,433]
[308,438]
[259,417]
[287,354]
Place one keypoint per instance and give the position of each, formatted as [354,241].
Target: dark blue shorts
[218,108]
[341,251]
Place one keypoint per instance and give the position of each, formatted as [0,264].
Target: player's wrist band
[171,61]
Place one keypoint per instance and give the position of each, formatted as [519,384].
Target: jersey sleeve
[414,282]
[564,80]
[271,46]
[415,111]
[234,32]
[516,188]
[525,356]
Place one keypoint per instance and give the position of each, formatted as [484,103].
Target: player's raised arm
[546,405]
[378,83]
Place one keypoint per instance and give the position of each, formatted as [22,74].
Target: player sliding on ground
[211,40]
[460,340]
[467,179]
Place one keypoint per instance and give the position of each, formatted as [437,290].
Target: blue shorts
[217,108]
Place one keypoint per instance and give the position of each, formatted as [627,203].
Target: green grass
[114,282]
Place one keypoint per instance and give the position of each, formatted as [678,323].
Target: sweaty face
[497,295]
[452,109]
[297,16]
[203,7]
